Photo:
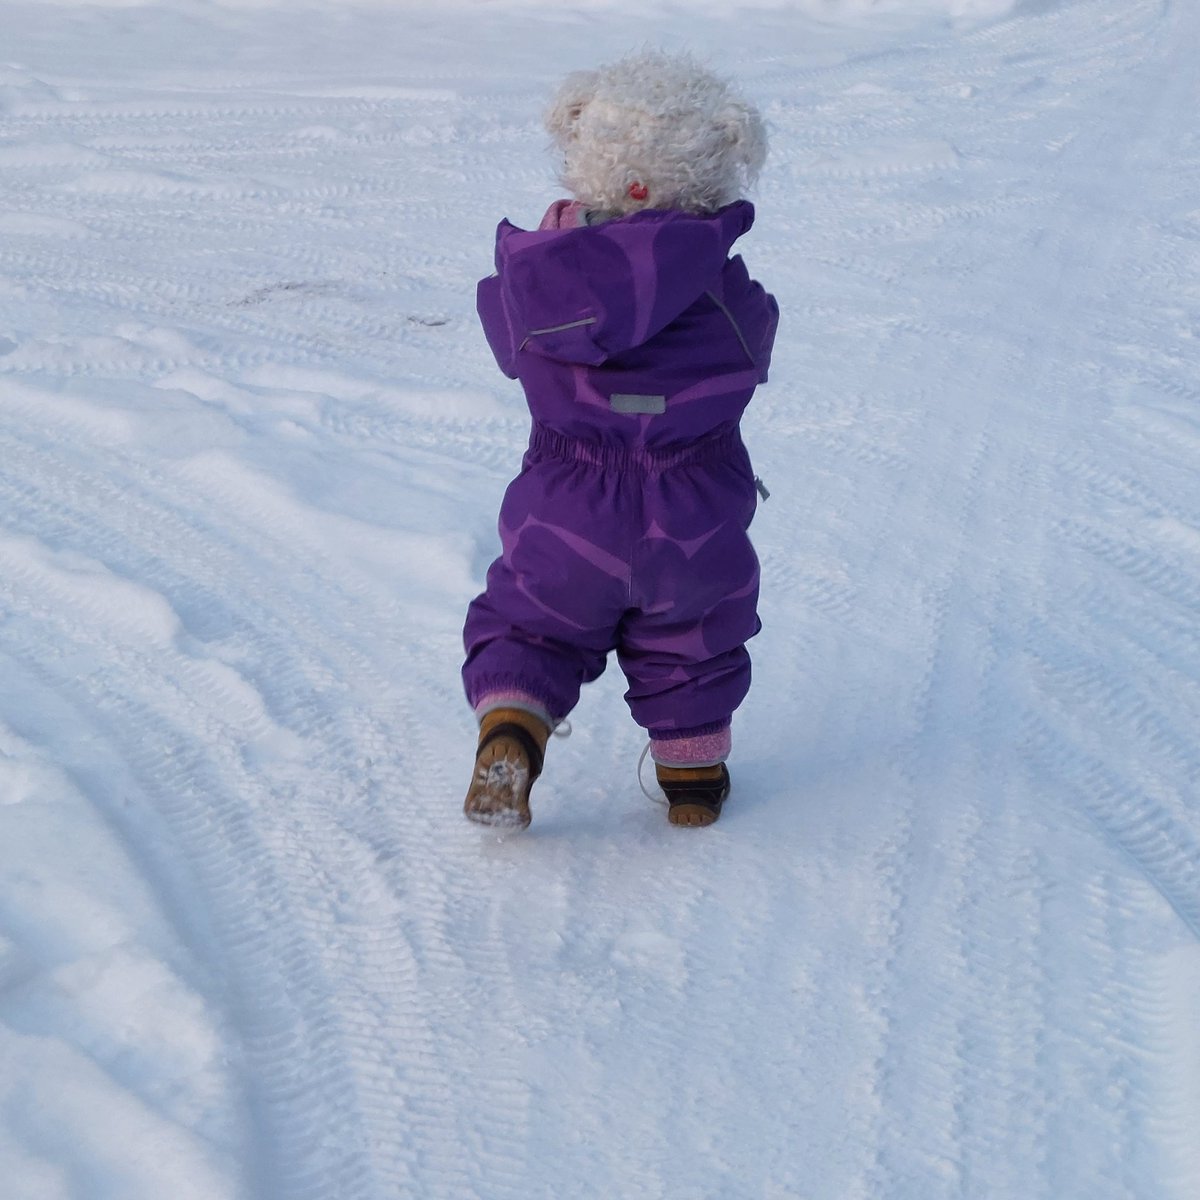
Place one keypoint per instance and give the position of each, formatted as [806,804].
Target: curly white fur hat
[655,130]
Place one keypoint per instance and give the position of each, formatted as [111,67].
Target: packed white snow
[944,941]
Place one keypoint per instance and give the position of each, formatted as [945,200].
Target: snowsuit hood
[587,294]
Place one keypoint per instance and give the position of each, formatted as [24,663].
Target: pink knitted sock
[705,750]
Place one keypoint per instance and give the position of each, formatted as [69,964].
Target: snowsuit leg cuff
[522,701]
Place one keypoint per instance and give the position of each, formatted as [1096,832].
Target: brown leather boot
[512,746]
[694,794]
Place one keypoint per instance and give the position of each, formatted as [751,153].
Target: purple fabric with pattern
[639,343]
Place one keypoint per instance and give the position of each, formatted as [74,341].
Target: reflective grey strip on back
[557,329]
[624,403]
[563,328]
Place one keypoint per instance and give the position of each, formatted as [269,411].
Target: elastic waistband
[548,443]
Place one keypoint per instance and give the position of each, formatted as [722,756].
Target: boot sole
[695,803]
[499,792]
[694,815]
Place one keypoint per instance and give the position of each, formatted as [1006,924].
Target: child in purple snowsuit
[639,343]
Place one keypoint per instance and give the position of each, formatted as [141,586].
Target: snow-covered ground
[945,941]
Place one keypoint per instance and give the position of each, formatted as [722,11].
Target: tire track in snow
[285,953]
[922,1152]
[204,804]
[1126,750]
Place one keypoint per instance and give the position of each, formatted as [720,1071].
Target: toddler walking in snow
[639,343]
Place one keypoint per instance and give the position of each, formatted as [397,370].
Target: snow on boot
[694,794]
[512,745]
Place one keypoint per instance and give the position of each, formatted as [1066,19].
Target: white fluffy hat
[655,130]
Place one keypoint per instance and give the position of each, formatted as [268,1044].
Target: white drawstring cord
[661,797]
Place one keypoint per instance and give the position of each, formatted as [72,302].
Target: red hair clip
[639,191]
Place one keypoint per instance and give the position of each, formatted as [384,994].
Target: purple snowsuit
[639,343]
